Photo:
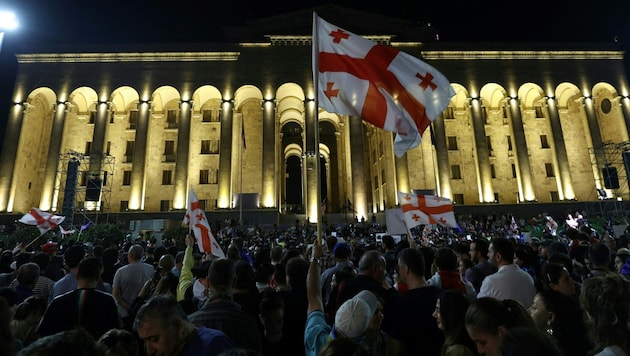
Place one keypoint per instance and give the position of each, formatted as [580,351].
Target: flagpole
[37,238]
[315,59]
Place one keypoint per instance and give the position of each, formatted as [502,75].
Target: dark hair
[568,326]
[119,342]
[167,284]
[599,254]
[605,300]
[488,314]
[31,305]
[221,275]
[162,307]
[296,271]
[73,255]
[270,300]
[453,307]
[388,242]
[343,346]
[371,259]
[244,275]
[481,246]
[414,260]
[505,247]
[331,241]
[28,273]
[109,256]
[551,273]
[42,259]
[341,251]
[90,268]
[524,341]
[446,259]
[70,342]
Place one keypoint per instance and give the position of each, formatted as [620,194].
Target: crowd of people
[481,290]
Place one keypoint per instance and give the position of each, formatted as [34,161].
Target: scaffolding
[613,190]
[83,185]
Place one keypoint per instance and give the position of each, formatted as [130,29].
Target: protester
[487,320]
[450,313]
[163,326]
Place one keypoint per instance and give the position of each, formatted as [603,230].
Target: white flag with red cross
[419,209]
[45,221]
[196,218]
[390,89]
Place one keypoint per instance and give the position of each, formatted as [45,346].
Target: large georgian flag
[421,209]
[196,218]
[390,89]
[44,221]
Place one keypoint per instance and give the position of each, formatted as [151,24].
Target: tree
[103,234]
[177,234]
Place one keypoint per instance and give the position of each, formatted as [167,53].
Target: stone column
[357,159]
[183,148]
[486,192]
[560,150]
[269,165]
[52,159]
[443,165]
[138,165]
[9,151]
[225,159]
[524,174]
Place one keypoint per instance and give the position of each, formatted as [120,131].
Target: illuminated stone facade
[528,123]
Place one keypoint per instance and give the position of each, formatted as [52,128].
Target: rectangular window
[167,177]
[451,142]
[92,118]
[124,205]
[539,112]
[83,180]
[206,115]
[111,117]
[203,203]
[129,148]
[543,142]
[383,176]
[484,114]
[493,172]
[509,143]
[126,178]
[455,172]
[513,170]
[165,205]
[205,147]
[133,119]
[169,151]
[489,143]
[496,197]
[554,196]
[458,199]
[549,170]
[88,148]
[449,114]
[171,119]
[505,113]
[108,148]
[203,176]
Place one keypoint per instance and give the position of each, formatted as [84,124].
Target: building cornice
[127,57]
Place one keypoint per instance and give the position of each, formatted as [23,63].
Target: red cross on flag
[421,209]
[390,89]
[44,221]
[196,218]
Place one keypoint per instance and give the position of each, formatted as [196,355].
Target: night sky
[59,22]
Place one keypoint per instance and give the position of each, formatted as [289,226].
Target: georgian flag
[421,209]
[44,221]
[196,218]
[390,89]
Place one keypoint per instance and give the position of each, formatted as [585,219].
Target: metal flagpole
[315,59]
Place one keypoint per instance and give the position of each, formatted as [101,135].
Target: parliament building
[132,128]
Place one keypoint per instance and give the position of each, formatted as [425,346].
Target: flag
[85,226]
[196,218]
[66,232]
[421,209]
[390,89]
[44,221]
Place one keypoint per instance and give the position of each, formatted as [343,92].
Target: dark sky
[57,22]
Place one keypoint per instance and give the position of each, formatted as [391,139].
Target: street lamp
[8,21]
